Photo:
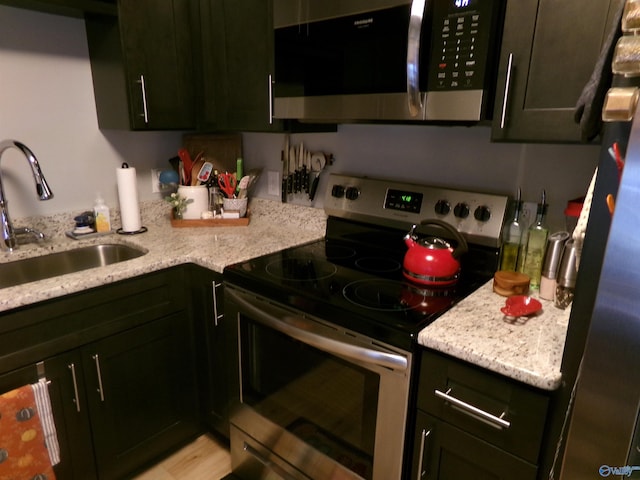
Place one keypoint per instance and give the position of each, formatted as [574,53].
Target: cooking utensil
[187,165]
[195,170]
[243,185]
[205,172]
[431,260]
[318,162]
[227,183]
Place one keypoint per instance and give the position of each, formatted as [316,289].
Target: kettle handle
[462,246]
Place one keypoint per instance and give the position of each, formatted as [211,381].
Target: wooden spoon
[197,165]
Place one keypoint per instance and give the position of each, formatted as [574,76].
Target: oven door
[316,400]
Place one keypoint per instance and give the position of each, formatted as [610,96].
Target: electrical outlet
[155,180]
[273,179]
[528,213]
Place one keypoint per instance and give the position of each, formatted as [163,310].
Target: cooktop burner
[393,295]
[301,269]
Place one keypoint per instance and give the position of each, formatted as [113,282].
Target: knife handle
[314,187]
[284,189]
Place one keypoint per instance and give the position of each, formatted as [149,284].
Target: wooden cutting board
[222,150]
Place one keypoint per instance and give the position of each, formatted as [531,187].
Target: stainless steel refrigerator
[601,363]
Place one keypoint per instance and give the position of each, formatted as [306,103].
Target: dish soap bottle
[101,211]
[535,245]
[511,240]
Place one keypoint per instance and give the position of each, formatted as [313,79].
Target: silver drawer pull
[100,390]
[216,316]
[76,397]
[423,443]
[488,418]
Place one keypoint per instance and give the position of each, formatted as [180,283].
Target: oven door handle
[308,332]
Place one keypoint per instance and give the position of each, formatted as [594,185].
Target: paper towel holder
[122,232]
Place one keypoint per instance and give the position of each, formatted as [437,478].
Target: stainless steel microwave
[385,60]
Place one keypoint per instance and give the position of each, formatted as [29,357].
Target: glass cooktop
[359,287]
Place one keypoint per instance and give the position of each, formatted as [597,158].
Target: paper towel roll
[128,196]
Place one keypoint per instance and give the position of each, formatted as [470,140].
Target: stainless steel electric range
[327,331]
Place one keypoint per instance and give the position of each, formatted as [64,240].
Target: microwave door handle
[302,330]
[413,57]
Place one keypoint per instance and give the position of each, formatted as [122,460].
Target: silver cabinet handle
[143,88]
[216,316]
[76,398]
[96,359]
[475,412]
[413,57]
[273,468]
[270,90]
[507,87]
[423,441]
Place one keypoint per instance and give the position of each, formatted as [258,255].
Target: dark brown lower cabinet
[472,423]
[448,453]
[122,383]
[214,333]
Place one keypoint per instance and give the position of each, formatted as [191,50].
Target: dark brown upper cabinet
[549,50]
[142,65]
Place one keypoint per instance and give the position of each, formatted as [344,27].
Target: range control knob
[482,213]
[461,210]
[352,193]
[442,207]
[337,191]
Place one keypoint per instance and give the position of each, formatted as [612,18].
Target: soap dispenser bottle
[101,212]
[535,244]
[511,239]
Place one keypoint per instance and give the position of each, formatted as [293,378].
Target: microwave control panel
[463,42]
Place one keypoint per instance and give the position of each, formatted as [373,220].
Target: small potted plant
[179,204]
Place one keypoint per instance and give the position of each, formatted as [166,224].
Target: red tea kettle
[431,260]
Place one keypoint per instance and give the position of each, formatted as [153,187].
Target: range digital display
[463,3]
[403,200]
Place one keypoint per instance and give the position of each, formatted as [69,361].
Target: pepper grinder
[552,257]
[566,275]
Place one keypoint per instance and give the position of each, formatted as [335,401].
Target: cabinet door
[214,357]
[237,43]
[443,452]
[142,65]
[157,47]
[69,412]
[142,393]
[549,50]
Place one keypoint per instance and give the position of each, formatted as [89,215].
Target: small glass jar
[215,201]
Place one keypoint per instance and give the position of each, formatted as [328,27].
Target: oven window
[325,401]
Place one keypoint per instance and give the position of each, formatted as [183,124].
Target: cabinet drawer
[507,414]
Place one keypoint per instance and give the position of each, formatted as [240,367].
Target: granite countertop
[475,331]
[273,226]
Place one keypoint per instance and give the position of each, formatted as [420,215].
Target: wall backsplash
[47,103]
[455,157]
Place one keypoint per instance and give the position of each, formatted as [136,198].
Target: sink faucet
[9,241]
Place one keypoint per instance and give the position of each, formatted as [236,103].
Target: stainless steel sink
[60,263]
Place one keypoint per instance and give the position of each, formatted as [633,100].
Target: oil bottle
[511,239]
[535,244]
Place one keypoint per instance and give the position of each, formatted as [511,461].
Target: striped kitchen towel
[28,442]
